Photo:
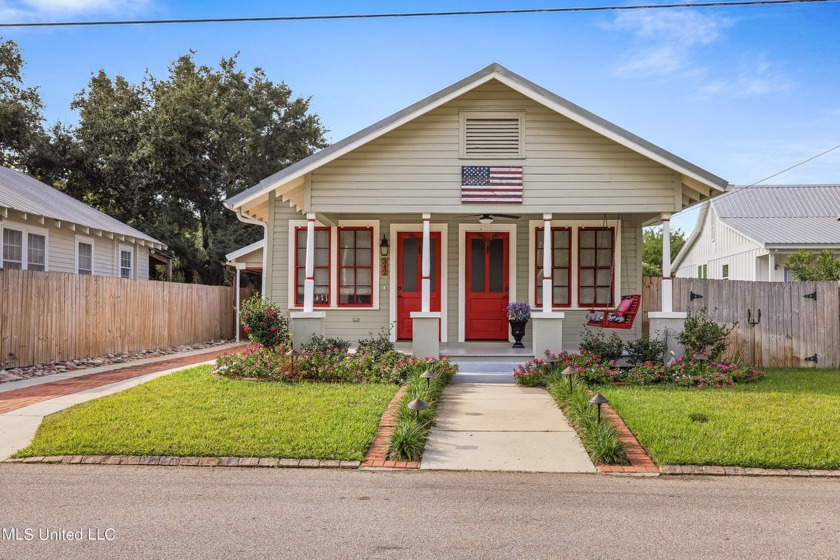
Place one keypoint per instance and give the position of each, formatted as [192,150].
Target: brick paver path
[13,400]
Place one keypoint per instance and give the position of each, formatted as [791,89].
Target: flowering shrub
[702,335]
[684,372]
[596,343]
[518,311]
[331,365]
[263,322]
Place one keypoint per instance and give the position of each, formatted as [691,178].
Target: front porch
[475,351]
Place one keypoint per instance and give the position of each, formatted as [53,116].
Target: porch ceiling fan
[488,218]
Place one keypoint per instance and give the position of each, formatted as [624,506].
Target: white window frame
[25,230]
[89,241]
[575,226]
[129,249]
[490,114]
[294,225]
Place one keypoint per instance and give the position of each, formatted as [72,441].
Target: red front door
[409,278]
[487,286]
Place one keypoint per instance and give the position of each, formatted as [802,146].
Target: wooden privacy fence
[52,316]
[779,324]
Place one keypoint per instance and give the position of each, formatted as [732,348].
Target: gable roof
[25,194]
[242,251]
[776,216]
[505,76]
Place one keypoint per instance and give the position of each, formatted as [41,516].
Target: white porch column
[666,324]
[667,305]
[771,262]
[426,283]
[239,268]
[548,253]
[308,322]
[309,281]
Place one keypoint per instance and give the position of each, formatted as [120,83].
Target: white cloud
[669,39]
[677,27]
[35,9]
[754,76]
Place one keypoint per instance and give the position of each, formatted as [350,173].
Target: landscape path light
[599,399]
[292,354]
[417,405]
[569,373]
[428,375]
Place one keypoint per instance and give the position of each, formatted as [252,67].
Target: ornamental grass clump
[600,439]
[412,430]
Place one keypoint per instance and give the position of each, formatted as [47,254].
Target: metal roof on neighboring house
[501,73]
[776,216]
[783,214]
[25,194]
[779,201]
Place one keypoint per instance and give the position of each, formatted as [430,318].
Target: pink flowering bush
[332,365]
[265,324]
[688,371]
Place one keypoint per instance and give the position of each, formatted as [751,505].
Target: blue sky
[743,92]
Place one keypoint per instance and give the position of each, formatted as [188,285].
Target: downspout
[253,221]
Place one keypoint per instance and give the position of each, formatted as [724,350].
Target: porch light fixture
[384,248]
[598,400]
[569,374]
[417,405]
[428,375]
[485,219]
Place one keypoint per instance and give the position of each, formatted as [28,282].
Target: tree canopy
[163,154]
[21,131]
[807,266]
[652,251]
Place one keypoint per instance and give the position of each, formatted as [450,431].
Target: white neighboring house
[748,233]
[41,228]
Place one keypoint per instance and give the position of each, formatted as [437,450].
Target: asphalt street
[162,512]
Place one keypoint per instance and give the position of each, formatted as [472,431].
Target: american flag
[491,184]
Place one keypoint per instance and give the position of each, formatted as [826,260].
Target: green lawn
[791,419]
[193,413]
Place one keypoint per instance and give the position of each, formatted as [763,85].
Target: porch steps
[472,371]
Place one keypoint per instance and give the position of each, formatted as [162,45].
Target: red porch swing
[621,318]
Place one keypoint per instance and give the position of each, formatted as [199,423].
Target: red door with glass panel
[487,286]
[409,278]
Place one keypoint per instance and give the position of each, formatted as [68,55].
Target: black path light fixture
[293,354]
[417,405]
[598,400]
[569,374]
[428,375]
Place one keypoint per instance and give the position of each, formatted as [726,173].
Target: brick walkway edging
[377,455]
[169,461]
[640,461]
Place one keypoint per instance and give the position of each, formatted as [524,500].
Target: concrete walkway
[499,426]
[24,404]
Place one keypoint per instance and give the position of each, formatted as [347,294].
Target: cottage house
[749,233]
[490,191]
[44,229]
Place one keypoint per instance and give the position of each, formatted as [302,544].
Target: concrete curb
[715,470]
[171,461]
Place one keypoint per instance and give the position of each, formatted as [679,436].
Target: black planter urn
[517,329]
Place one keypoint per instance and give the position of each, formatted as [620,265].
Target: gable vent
[492,137]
